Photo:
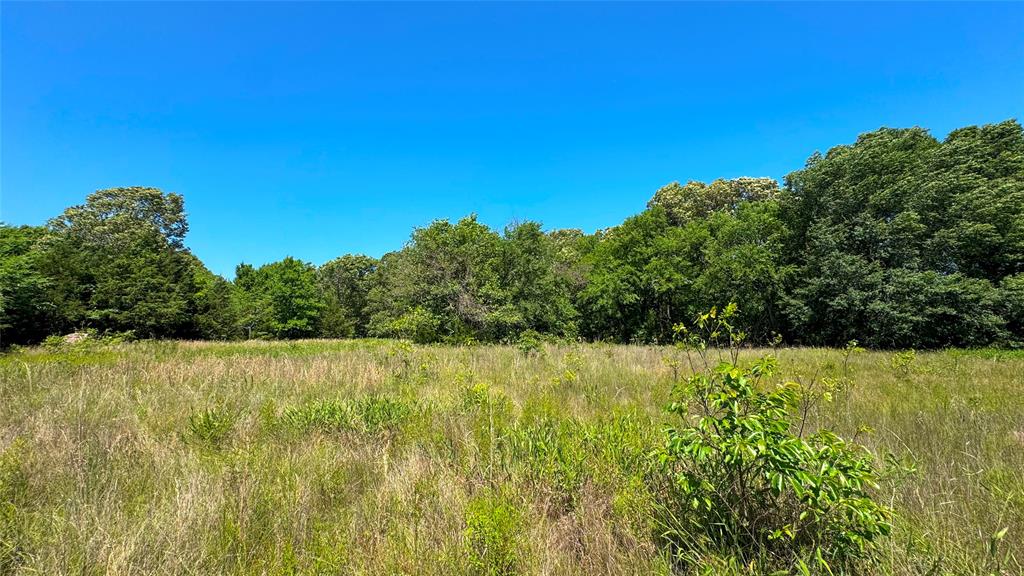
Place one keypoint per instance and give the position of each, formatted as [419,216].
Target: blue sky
[318,129]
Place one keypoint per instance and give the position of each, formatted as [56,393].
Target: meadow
[383,457]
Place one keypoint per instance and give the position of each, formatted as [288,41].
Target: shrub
[377,414]
[209,427]
[419,325]
[741,478]
[53,342]
[530,343]
[370,415]
[324,415]
[493,527]
[901,362]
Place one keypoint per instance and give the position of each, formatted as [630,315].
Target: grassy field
[378,457]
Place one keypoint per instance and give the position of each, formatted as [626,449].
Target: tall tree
[345,282]
[899,237]
[744,262]
[537,298]
[641,279]
[280,299]
[216,309]
[697,200]
[445,277]
[118,262]
[25,308]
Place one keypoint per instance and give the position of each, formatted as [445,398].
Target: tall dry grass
[377,457]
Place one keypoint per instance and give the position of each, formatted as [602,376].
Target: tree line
[898,240]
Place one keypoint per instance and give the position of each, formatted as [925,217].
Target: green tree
[345,283]
[900,240]
[118,262]
[571,263]
[744,261]
[536,296]
[216,310]
[447,270]
[1011,307]
[281,299]
[641,278]
[697,200]
[25,309]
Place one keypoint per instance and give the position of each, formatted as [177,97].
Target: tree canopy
[897,240]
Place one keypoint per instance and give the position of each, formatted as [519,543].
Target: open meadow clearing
[511,288]
[381,457]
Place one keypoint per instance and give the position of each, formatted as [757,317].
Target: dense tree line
[898,240]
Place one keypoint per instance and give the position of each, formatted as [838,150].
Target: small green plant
[995,558]
[530,343]
[210,427]
[569,373]
[53,342]
[902,362]
[551,452]
[673,363]
[743,477]
[323,415]
[370,415]
[476,395]
[493,531]
[379,414]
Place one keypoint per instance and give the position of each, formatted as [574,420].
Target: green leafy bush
[530,343]
[493,529]
[370,415]
[419,325]
[210,427]
[742,478]
[378,414]
[324,415]
[902,362]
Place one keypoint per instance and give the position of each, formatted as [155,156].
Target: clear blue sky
[317,129]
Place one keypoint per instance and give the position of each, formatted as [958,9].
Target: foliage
[280,299]
[417,325]
[744,260]
[1011,307]
[209,427]
[323,415]
[118,262]
[493,527]
[24,301]
[640,279]
[899,240]
[537,297]
[902,362]
[374,414]
[216,311]
[697,200]
[345,283]
[530,343]
[743,477]
[445,274]
[464,281]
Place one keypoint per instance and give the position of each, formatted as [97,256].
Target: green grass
[377,457]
